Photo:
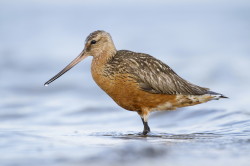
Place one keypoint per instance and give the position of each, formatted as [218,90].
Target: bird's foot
[145,132]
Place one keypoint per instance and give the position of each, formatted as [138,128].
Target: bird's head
[99,43]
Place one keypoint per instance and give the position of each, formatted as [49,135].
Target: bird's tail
[216,96]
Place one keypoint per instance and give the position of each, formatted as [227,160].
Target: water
[72,122]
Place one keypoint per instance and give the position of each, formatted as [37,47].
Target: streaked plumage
[136,81]
[152,75]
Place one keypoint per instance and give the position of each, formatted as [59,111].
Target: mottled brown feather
[151,74]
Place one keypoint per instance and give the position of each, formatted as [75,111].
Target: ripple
[156,135]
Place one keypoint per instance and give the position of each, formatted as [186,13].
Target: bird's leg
[146,129]
[144,117]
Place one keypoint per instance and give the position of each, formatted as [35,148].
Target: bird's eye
[93,42]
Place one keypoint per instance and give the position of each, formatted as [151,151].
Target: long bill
[78,59]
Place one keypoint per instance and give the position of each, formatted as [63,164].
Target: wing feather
[154,76]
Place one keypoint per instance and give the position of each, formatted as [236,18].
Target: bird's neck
[98,68]
[101,59]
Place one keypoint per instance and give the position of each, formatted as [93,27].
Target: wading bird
[137,81]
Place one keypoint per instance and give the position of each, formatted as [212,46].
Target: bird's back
[151,74]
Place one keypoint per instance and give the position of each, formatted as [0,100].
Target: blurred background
[207,43]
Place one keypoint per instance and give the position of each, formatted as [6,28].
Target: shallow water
[214,135]
[72,122]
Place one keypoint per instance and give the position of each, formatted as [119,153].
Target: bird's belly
[125,91]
